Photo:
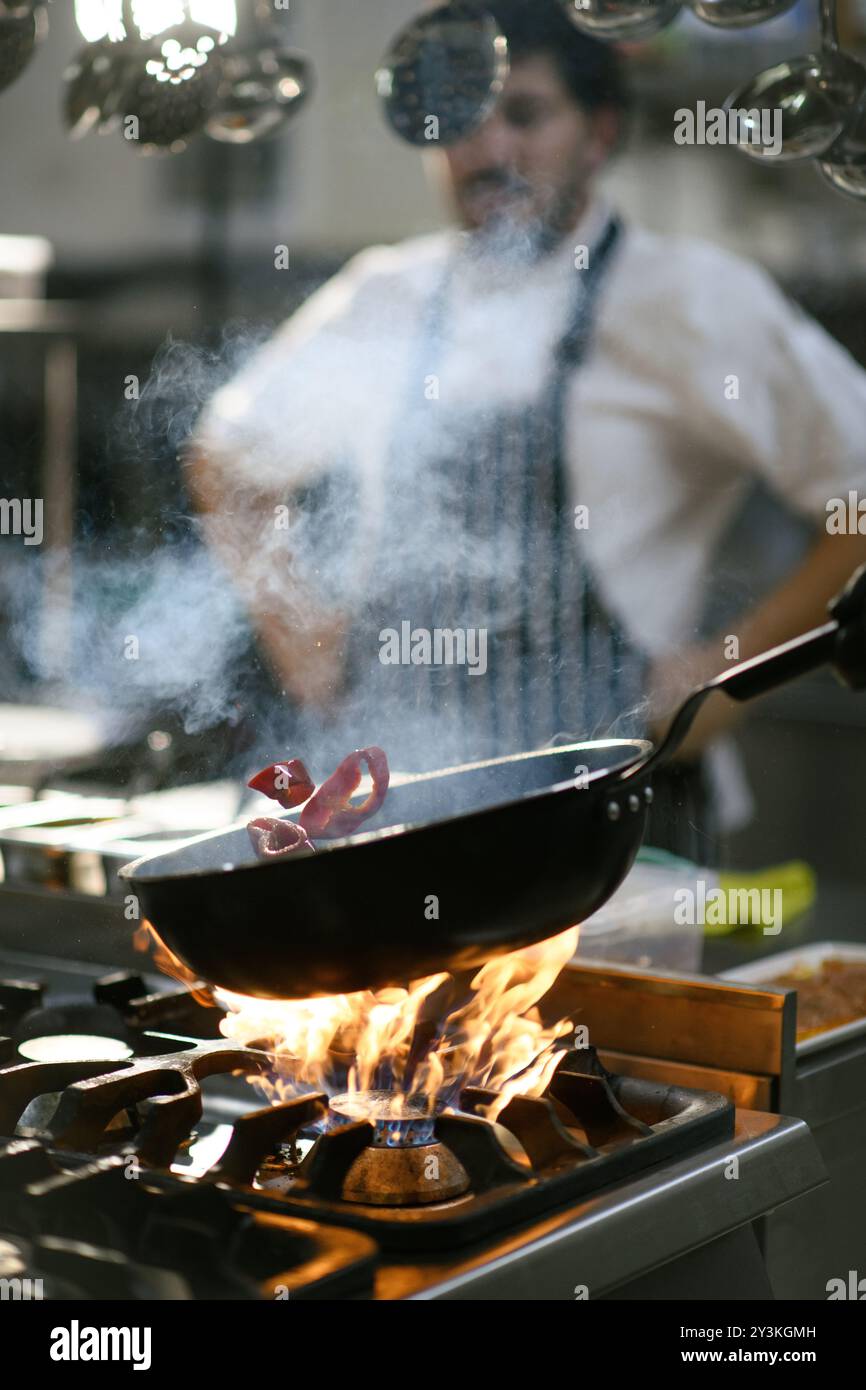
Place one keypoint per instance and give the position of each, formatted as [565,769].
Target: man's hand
[672,678]
[308,657]
[798,604]
[304,642]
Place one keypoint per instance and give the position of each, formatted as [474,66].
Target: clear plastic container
[639,925]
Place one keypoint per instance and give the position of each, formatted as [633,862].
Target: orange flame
[146,938]
[425,1042]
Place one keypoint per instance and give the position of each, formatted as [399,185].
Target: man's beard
[509,240]
[519,234]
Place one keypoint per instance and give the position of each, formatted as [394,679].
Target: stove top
[136,1156]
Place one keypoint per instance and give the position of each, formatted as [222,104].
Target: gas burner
[405,1177]
[590,1128]
[110,1027]
[397,1123]
[404,1164]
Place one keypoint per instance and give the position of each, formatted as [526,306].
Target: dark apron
[479,536]
[485,539]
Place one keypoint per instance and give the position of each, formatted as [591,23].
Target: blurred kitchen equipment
[806,961]
[638,924]
[22,27]
[94,87]
[738,14]
[24,261]
[42,746]
[36,740]
[794,881]
[848,179]
[55,325]
[65,842]
[647,923]
[814,95]
[262,89]
[621,19]
[163,84]
[442,74]
[351,915]
[844,167]
[234,84]
[170,87]
[19,9]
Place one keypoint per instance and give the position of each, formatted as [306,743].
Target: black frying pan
[514,850]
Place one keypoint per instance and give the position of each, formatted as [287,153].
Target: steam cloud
[188,618]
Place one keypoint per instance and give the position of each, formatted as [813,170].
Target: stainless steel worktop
[635,1229]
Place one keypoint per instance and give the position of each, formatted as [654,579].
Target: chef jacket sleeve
[285,418]
[786,399]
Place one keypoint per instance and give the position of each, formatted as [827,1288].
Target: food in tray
[829,993]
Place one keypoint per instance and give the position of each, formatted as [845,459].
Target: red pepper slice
[328,813]
[288,783]
[273,837]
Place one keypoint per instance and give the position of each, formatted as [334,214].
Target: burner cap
[72,1031]
[395,1126]
[74,1047]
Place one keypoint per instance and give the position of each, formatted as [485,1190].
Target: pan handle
[840,643]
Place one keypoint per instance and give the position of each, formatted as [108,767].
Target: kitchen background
[138,252]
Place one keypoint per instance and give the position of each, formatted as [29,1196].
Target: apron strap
[572,346]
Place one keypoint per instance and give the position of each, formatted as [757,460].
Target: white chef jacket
[701,377]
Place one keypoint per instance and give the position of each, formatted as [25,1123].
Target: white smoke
[186,619]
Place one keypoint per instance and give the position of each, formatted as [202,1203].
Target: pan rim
[640,749]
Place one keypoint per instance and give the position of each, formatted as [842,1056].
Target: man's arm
[794,606]
[798,424]
[303,640]
[280,425]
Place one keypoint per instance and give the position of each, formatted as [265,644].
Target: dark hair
[591,69]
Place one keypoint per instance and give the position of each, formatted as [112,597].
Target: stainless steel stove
[673,1158]
[137,1156]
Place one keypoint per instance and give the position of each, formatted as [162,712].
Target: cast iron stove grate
[96,1230]
[589,1130]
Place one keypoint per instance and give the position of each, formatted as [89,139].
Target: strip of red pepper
[288,783]
[273,837]
[328,814]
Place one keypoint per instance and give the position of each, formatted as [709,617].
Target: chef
[516,445]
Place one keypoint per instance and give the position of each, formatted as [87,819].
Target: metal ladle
[844,168]
[171,86]
[738,14]
[18,9]
[94,86]
[263,88]
[21,28]
[621,19]
[847,179]
[442,74]
[814,94]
